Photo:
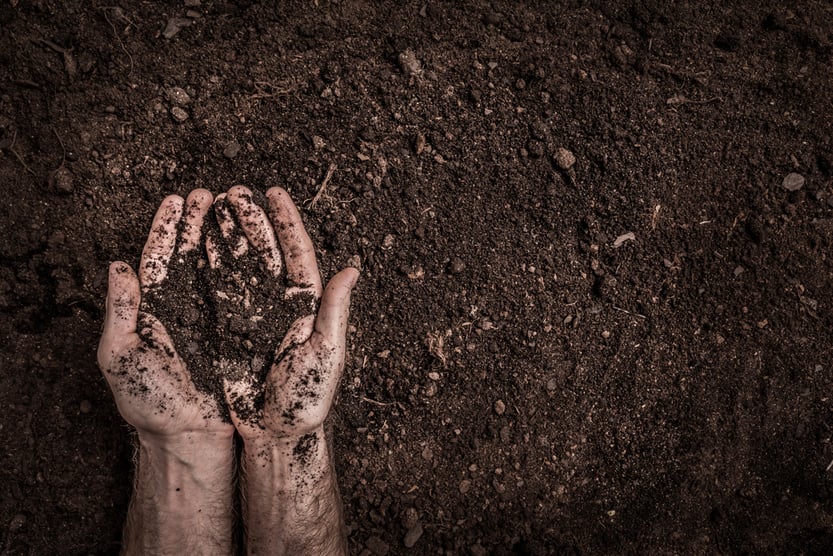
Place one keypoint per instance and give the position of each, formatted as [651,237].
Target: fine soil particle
[669,395]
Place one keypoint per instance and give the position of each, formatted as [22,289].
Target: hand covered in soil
[290,397]
[150,382]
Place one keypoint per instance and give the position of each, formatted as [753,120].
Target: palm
[150,382]
[153,388]
[298,390]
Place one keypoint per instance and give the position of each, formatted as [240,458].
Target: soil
[523,376]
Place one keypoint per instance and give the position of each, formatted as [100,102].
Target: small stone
[17,522]
[433,375]
[416,273]
[174,25]
[606,334]
[318,143]
[232,149]
[564,158]
[419,143]
[179,114]
[377,546]
[178,96]
[477,550]
[86,406]
[410,517]
[619,241]
[456,266]
[409,63]
[413,535]
[465,486]
[552,385]
[500,407]
[430,389]
[793,182]
[61,180]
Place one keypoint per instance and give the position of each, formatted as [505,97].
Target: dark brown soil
[520,378]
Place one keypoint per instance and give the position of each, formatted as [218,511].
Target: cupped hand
[297,392]
[150,382]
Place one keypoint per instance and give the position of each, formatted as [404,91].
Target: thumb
[334,310]
[122,309]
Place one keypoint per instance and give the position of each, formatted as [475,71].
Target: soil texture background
[594,314]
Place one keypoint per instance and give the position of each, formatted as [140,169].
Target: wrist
[183,497]
[277,447]
[187,466]
[189,446]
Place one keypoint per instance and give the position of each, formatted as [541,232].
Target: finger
[240,395]
[122,310]
[154,335]
[298,333]
[196,207]
[301,267]
[160,244]
[331,321]
[235,240]
[213,252]
[257,227]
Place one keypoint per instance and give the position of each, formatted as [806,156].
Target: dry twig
[323,189]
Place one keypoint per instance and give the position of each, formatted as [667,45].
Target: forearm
[182,503]
[291,503]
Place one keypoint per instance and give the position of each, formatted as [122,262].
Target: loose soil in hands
[594,312]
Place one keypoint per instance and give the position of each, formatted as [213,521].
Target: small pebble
[605,334]
[232,149]
[552,385]
[434,375]
[178,96]
[179,114]
[409,64]
[500,407]
[61,180]
[377,546]
[477,550]
[564,158]
[410,517]
[430,390]
[17,522]
[465,486]
[793,182]
[457,265]
[174,25]
[86,406]
[619,241]
[413,535]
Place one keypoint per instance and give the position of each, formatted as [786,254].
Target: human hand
[152,387]
[294,397]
